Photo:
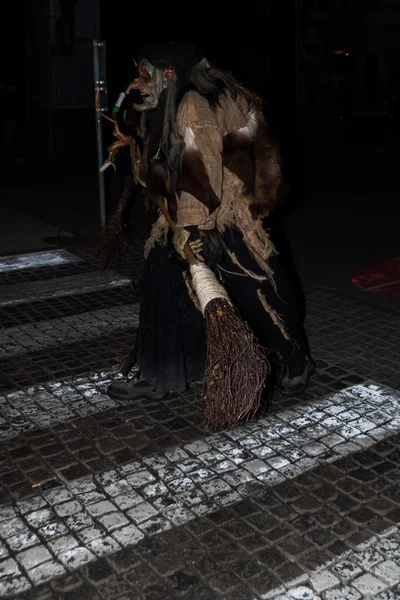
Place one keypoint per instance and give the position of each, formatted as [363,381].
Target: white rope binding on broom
[206,285]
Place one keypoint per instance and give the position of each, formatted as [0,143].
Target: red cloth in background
[386,275]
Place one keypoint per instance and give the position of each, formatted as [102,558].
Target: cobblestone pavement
[106,500]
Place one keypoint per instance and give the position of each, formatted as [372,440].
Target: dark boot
[129,391]
[129,364]
[295,380]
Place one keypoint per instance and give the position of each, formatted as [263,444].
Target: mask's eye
[144,74]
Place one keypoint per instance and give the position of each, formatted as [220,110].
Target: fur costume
[230,174]
[203,146]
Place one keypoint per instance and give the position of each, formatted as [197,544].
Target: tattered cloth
[231,174]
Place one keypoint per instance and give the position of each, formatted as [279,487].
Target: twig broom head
[236,365]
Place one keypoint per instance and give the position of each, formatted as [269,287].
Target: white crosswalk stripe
[149,496]
[34,260]
[370,570]
[55,402]
[45,334]
[59,531]
[63,286]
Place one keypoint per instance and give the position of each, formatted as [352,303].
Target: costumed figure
[204,153]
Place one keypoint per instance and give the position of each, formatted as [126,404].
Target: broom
[111,241]
[236,365]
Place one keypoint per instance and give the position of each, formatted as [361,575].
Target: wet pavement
[107,500]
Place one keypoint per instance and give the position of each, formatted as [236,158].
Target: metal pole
[297,59]
[99,86]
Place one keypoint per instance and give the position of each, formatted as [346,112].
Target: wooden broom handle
[187,249]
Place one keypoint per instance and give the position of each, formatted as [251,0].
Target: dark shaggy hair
[211,83]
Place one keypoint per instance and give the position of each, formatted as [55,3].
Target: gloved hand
[181,238]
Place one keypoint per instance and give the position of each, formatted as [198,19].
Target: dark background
[282,50]
[48,71]
[328,72]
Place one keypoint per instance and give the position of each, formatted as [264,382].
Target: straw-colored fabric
[208,128]
[204,130]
